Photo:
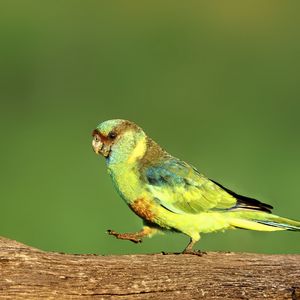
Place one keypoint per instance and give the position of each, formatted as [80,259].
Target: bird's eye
[112,135]
[96,138]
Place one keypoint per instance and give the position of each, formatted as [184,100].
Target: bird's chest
[127,182]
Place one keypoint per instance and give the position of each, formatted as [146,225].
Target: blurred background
[216,83]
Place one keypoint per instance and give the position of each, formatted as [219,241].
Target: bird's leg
[135,237]
[189,249]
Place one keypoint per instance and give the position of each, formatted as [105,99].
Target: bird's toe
[194,252]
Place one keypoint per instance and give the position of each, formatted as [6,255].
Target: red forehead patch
[101,136]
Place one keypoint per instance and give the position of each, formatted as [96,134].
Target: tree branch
[28,273]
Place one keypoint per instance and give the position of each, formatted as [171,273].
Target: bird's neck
[122,165]
[127,151]
[125,164]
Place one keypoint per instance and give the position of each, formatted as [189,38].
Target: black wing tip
[261,206]
[247,202]
[250,203]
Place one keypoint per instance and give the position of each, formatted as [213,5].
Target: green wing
[181,189]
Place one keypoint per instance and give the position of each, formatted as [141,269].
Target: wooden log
[28,273]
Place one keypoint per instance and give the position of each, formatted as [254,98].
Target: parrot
[169,194]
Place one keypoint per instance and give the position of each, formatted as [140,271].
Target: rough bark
[28,273]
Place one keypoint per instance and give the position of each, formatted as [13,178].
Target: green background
[216,83]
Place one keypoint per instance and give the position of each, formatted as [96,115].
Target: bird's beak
[97,146]
[100,147]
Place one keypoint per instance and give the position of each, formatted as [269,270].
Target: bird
[169,194]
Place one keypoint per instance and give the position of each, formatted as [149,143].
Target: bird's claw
[170,253]
[191,252]
[194,252]
[111,232]
[125,236]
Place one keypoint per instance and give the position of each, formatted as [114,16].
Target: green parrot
[169,194]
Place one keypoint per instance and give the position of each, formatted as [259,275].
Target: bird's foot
[133,237]
[191,252]
[170,253]
[194,252]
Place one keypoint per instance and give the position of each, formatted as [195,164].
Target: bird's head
[119,136]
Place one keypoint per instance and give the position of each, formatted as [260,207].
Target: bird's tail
[262,221]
